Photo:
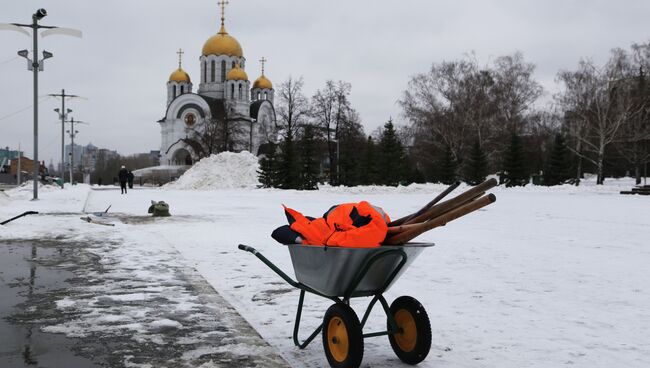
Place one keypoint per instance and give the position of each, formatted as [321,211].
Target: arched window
[232,91]
[212,71]
[240,92]
[258,95]
[174,91]
[205,71]
[233,64]
[223,70]
[266,96]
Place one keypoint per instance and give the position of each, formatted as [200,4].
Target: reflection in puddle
[22,283]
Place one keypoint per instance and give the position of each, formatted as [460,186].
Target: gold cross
[263,60]
[223,4]
[180,57]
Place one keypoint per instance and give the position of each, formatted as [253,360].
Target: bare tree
[330,107]
[634,139]
[599,101]
[458,103]
[292,105]
[224,131]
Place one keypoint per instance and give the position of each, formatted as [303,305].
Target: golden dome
[179,75]
[222,44]
[237,73]
[263,83]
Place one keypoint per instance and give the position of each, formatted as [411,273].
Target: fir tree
[514,165]
[288,166]
[448,167]
[558,167]
[476,167]
[267,173]
[392,157]
[368,167]
[308,162]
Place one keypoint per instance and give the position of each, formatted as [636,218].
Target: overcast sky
[129,49]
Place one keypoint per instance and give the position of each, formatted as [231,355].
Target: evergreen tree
[448,167]
[352,138]
[308,162]
[288,165]
[558,167]
[416,176]
[514,165]
[368,167]
[391,157]
[476,167]
[267,173]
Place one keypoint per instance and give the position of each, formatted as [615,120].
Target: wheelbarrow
[340,274]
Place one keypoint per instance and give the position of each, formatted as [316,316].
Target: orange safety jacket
[359,225]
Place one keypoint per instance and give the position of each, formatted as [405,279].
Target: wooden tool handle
[457,201]
[418,229]
[425,208]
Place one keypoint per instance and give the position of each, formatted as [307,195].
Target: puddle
[23,280]
[97,303]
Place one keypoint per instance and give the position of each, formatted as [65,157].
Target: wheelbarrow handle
[247,248]
[270,264]
[19,216]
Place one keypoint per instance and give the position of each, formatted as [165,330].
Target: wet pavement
[66,304]
[22,283]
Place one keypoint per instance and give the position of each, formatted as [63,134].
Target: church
[224,96]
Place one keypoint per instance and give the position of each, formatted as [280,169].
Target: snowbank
[226,170]
[4,199]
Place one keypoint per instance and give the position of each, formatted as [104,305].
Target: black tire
[413,342]
[342,337]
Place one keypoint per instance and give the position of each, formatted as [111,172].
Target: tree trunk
[330,148]
[637,174]
[601,158]
[579,166]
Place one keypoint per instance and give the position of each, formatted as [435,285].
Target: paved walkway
[116,304]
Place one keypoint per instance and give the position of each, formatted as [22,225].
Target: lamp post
[63,115]
[19,168]
[73,133]
[35,66]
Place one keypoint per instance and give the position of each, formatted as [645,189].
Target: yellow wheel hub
[337,339]
[406,339]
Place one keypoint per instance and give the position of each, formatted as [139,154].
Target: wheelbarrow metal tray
[331,270]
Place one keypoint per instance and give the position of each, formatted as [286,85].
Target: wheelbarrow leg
[392,325]
[296,326]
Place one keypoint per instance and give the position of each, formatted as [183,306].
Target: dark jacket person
[130,179]
[124,177]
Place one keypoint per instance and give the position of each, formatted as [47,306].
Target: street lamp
[63,117]
[73,133]
[35,66]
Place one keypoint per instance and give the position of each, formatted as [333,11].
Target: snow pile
[226,170]
[4,198]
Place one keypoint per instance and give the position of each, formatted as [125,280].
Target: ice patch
[65,303]
[165,323]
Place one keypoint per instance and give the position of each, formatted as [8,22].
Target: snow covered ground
[544,277]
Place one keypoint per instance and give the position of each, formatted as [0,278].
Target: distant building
[85,157]
[155,157]
[77,151]
[7,155]
[225,94]
[26,166]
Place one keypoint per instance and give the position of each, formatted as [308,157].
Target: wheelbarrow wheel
[412,342]
[342,337]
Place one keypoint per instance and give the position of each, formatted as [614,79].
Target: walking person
[124,177]
[130,179]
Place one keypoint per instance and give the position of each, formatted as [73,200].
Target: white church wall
[215,87]
[174,128]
